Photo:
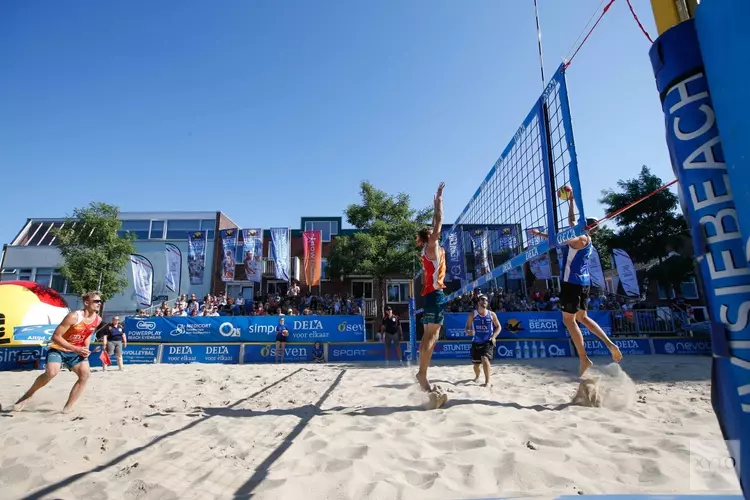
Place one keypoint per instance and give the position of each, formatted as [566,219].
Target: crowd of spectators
[549,300]
[272,304]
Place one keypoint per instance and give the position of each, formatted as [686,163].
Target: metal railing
[648,322]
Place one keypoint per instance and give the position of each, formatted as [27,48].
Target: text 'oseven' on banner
[312,260]
[245,329]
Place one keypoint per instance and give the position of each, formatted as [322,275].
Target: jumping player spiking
[575,283]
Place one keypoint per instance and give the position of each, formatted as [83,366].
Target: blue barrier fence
[203,329]
[33,357]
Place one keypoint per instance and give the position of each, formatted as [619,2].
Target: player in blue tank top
[485,327]
[575,282]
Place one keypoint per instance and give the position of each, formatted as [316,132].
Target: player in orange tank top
[433,263]
[70,346]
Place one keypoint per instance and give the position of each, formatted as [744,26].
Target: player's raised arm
[437,216]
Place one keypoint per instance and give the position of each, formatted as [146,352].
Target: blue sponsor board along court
[266,353]
[201,329]
[526,325]
[191,353]
[139,354]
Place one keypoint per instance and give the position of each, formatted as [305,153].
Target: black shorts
[574,298]
[281,338]
[479,351]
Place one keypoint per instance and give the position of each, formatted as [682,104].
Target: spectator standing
[392,328]
[282,336]
[115,340]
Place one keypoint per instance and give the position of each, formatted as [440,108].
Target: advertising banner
[506,349]
[527,325]
[229,250]
[365,351]
[481,248]
[266,353]
[197,256]
[312,241]
[252,250]
[595,269]
[33,334]
[188,329]
[131,355]
[691,346]
[628,347]
[143,279]
[214,353]
[626,272]
[509,241]
[21,358]
[454,251]
[540,266]
[173,277]
[280,252]
[452,350]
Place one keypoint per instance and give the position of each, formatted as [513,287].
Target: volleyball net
[497,233]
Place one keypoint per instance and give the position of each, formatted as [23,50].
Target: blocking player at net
[433,266]
[575,283]
[485,327]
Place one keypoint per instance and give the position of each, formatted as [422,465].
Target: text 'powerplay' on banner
[526,325]
[245,329]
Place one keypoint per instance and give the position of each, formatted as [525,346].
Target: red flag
[313,247]
[104,356]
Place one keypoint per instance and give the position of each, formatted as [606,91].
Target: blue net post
[412,324]
[709,206]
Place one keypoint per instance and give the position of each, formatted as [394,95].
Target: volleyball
[564,193]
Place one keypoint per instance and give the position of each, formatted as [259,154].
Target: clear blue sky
[271,110]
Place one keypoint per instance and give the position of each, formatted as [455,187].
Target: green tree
[385,244]
[650,229]
[672,271]
[94,255]
[602,240]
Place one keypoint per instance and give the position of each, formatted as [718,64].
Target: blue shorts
[434,308]
[68,359]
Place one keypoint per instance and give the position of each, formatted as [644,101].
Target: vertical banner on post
[228,251]
[540,266]
[313,247]
[481,247]
[509,243]
[173,277]
[280,252]
[595,269]
[143,279]
[252,250]
[626,272]
[708,204]
[196,256]
[454,249]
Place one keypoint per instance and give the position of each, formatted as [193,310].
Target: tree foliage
[386,243]
[650,229]
[672,271]
[602,240]
[94,255]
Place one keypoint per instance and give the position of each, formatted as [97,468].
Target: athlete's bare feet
[19,406]
[66,409]
[423,383]
[586,363]
[487,384]
[616,354]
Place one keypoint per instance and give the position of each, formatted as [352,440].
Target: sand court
[353,431]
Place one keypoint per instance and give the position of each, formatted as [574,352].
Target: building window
[59,283]
[362,289]
[326,228]
[139,228]
[8,275]
[157,230]
[179,229]
[397,292]
[665,291]
[324,270]
[689,288]
[43,276]
[25,274]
